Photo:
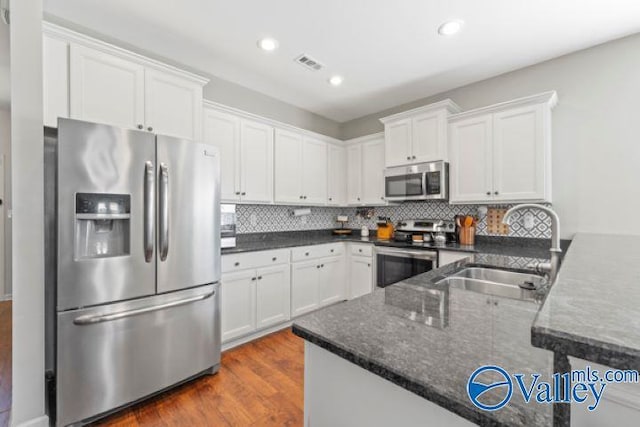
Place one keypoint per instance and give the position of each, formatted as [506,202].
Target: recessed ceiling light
[335,80]
[450,28]
[268,44]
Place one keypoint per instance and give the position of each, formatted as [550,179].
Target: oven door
[394,265]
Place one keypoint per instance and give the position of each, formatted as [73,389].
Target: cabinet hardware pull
[408,157]
[236,264]
[253,279]
[150,129]
[140,126]
[488,193]
[360,250]
[301,197]
[413,157]
[243,193]
[237,193]
[496,193]
[317,266]
[322,265]
[259,277]
[368,265]
[331,250]
[274,258]
[330,199]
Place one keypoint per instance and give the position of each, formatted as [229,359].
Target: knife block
[467,235]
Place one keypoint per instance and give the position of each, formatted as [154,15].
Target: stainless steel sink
[507,284]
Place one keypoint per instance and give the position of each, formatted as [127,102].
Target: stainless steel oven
[393,264]
[425,181]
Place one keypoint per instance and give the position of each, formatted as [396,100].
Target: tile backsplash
[271,218]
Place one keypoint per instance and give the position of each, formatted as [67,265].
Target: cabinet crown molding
[549,98]
[449,105]
[68,35]
[365,138]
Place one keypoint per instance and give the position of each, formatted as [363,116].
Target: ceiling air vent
[309,62]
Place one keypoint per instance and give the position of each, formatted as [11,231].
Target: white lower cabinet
[332,280]
[238,304]
[272,295]
[360,276]
[254,298]
[305,281]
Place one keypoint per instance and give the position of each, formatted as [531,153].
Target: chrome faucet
[552,267]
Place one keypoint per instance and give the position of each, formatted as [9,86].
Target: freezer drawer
[114,354]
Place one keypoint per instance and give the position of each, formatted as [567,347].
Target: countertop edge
[588,349]
[424,391]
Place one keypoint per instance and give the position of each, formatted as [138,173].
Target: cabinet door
[314,172]
[305,278]
[105,88]
[397,141]
[273,295]
[337,179]
[373,172]
[360,276]
[238,304]
[288,167]
[256,162]
[429,137]
[471,160]
[55,84]
[519,158]
[172,105]
[333,280]
[223,131]
[354,174]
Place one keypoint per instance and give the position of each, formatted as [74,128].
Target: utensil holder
[467,235]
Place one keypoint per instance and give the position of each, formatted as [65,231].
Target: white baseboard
[247,338]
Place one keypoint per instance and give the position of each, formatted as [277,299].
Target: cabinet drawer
[317,251]
[237,262]
[362,250]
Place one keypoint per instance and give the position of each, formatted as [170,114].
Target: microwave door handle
[164,212]
[149,210]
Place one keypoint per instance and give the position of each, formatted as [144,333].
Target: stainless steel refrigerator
[132,266]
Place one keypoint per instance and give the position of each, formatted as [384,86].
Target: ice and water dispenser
[102,225]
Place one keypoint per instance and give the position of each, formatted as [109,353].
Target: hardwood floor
[259,384]
[5,362]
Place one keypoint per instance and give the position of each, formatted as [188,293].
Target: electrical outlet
[253,219]
[528,221]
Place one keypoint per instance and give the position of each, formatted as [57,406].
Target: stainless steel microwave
[424,181]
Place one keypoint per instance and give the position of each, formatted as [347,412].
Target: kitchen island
[419,338]
[370,360]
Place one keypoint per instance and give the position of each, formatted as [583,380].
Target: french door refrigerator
[133,266]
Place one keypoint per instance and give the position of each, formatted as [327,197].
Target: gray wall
[596,130]
[243,98]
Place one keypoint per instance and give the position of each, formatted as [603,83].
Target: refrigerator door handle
[149,210]
[100,318]
[164,211]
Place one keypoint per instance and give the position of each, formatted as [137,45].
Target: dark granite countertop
[522,247]
[593,310]
[429,338]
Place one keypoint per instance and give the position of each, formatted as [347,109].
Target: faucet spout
[555,250]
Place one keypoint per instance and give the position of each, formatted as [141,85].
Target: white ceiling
[388,52]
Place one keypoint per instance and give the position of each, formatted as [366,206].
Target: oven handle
[428,255]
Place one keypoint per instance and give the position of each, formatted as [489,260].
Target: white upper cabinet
[87,79]
[105,88]
[288,167]
[470,159]
[256,154]
[502,153]
[337,175]
[173,105]
[365,171]
[418,135]
[301,169]
[223,131]
[246,152]
[398,135]
[314,172]
[354,174]
[373,172]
